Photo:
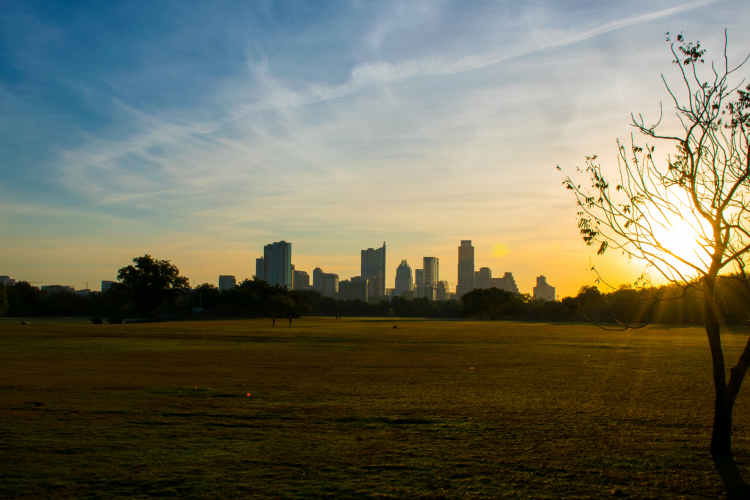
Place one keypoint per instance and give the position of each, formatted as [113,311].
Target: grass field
[357,409]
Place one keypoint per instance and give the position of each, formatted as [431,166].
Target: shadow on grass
[737,488]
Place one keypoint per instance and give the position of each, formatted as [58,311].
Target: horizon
[198,135]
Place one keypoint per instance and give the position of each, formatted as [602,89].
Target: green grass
[356,409]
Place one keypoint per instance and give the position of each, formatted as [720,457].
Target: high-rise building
[404,280]
[431,268]
[226,282]
[301,280]
[278,263]
[356,289]
[418,277]
[260,268]
[465,268]
[542,290]
[7,281]
[330,285]
[484,277]
[425,291]
[318,279]
[106,285]
[443,291]
[373,268]
[505,283]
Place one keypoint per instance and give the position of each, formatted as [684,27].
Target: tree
[209,295]
[152,282]
[703,191]
[3,300]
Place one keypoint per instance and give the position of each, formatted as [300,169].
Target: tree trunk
[721,438]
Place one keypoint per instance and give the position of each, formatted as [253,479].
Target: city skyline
[332,126]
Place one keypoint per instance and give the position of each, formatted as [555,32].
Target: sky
[198,132]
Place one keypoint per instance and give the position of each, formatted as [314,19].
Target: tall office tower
[278,259]
[431,268]
[301,280]
[227,282]
[260,268]
[373,268]
[106,285]
[404,280]
[292,276]
[318,279]
[443,290]
[506,283]
[465,268]
[418,278]
[330,285]
[542,290]
[484,278]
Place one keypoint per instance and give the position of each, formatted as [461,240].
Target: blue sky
[200,131]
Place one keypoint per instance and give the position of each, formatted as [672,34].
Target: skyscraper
[443,291]
[542,290]
[227,282]
[465,268]
[431,268]
[301,280]
[505,283]
[260,268]
[318,279]
[404,281]
[373,268]
[330,284]
[484,278]
[418,277]
[278,263]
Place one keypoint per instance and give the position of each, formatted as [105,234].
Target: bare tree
[702,190]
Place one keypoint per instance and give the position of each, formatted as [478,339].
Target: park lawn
[354,408]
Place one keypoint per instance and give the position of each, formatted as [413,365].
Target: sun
[679,244]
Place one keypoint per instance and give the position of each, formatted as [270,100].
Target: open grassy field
[357,409]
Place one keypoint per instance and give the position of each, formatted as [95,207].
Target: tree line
[154,288]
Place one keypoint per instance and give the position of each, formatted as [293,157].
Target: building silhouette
[106,285]
[465,268]
[484,278]
[330,285]
[226,282]
[373,268]
[260,268]
[356,289]
[443,291]
[301,280]
[277,258]
[506,283]
[418,278]
[431,268]
[543,291]
[425,291]
[318,279]
[404,280]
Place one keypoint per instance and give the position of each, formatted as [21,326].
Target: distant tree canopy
[152,282]
[258,298]
[3,299]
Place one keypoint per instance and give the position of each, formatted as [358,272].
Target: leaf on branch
[602,248]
